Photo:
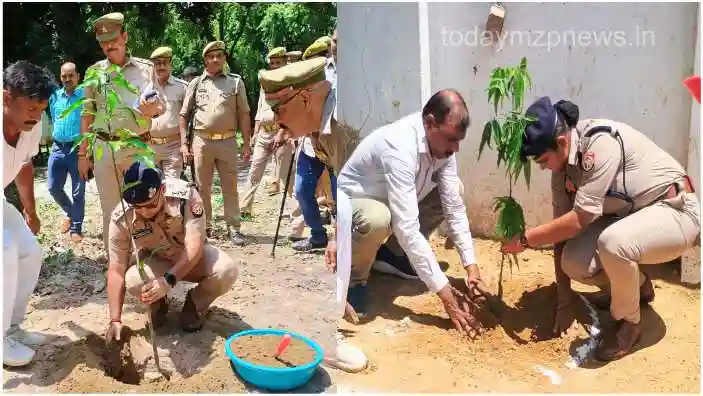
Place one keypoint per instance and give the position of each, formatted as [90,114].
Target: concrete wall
[635,79]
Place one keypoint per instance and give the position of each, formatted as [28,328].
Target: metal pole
[283,201]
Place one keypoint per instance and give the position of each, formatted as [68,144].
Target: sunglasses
[282,102]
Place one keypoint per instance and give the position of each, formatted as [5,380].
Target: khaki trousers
[108,180]
[169,158]
[215,274]
[609,251]
[371,226]
[260,158]
[281,164]
[209,155]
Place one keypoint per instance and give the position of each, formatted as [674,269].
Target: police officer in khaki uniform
[165,131]
[298,93]
[619,202]
[165,218]
[140,73]
[219,107]
[271,142]
[293,56]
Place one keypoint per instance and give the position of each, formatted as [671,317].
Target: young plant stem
[140,267]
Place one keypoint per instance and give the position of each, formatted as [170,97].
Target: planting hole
[117,359]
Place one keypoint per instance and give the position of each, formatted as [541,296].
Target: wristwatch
[170,279]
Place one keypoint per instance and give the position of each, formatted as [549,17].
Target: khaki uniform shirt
[218,102]
[182,215]
[173,93]
[265,115]
[595,168]
[140,73]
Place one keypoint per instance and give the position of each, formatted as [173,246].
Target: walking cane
[283,201]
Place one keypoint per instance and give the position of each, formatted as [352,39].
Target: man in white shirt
[26,91]
[402,182]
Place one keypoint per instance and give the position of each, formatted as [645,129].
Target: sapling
[503,133]
[105,81]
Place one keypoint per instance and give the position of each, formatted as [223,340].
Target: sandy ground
[408,338]
[413,348]
[70,304]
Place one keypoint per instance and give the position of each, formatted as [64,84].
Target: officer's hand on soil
[564,310]
[84,167]
[33,222]
[113,332]
[458,307]
[331,256]
[154,290]
[187,155]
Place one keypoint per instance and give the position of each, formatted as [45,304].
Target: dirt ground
[70,304]
[408,338]
[413,347]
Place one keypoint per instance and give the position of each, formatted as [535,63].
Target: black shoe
[356,297]
[307,245]
[237,238]
[388,263]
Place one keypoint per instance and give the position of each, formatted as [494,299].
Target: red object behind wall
[694,85]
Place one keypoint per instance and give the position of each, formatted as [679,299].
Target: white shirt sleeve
[399,169]
[455,211]
[344,240]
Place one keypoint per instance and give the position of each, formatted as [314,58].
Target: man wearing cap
[299,95]
[165,218]
[217,103]
[293,56]
[319,161]
[620,201]
[140,73]
[165,131]
[270,142]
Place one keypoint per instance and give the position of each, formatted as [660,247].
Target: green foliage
[60,32]
[104,82]
[504,133]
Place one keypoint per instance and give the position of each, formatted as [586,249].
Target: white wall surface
[635,80]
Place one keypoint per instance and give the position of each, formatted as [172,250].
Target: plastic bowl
[275,378]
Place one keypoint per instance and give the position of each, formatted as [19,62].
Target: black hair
[442,103]
[567,116]
[23,78]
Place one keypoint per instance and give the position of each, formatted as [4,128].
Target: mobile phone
[150,95]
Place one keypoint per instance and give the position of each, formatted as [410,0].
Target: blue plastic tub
[275,378]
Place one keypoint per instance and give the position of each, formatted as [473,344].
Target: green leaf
[99,152]
[121,82]
[485,137]
[141,122]
[528,170]
[112,101]
[74,107]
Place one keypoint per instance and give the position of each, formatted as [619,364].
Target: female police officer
[619,201]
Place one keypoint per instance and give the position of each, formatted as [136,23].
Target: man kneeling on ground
[165,218]
[402,183]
